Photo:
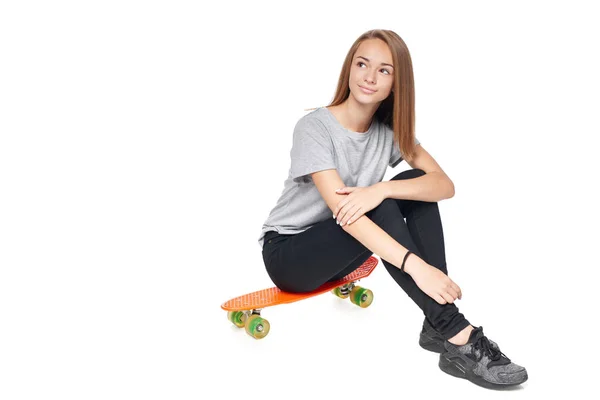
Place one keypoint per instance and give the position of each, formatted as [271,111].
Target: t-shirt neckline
[348,131]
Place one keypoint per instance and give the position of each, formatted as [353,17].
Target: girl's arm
[434,186]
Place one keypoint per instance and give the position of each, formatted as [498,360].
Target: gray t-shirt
[320,142]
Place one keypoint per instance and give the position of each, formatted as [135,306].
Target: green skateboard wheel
[257,327]
[361,297]
[237,318]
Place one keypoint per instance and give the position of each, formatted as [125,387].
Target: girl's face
[372,68]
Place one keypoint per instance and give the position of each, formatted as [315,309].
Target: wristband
[403,261]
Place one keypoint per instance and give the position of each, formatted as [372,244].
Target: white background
[143,144]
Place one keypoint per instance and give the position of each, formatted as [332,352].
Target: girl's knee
[388,204]
[387,210]
[409,174]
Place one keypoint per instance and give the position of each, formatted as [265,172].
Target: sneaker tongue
[476,333]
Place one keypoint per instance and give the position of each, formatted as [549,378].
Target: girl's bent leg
[448,320]
[425,226]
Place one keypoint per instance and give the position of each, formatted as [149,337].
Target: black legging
[302,262]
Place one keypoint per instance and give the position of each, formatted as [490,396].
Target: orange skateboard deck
[244,311]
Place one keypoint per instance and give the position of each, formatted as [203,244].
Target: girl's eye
[360,62]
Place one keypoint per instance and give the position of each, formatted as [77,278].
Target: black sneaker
[430,339]
[481,362]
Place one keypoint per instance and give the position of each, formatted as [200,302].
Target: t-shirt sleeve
[312,149]
[396,157]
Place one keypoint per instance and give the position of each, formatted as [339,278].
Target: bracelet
[403,261]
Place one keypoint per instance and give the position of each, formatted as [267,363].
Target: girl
[338,159]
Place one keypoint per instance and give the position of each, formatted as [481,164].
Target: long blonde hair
[397,111]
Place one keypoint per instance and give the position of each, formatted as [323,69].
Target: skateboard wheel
[237,318]
[339,293]
[257,327]
[361,297]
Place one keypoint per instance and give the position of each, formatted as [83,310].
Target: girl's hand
[436,284]
[359,201]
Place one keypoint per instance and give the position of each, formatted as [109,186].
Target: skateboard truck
[344,290]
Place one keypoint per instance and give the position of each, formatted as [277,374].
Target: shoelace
[485,347]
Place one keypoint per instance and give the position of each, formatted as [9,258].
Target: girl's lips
[365,90]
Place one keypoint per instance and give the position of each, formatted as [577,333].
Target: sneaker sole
[454,369]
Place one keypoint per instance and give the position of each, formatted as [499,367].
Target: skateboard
[244,311]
